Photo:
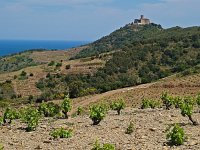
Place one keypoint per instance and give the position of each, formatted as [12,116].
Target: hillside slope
[142,54]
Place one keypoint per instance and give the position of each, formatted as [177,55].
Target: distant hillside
[127,57]
[35,57]
[141,54]
[131,33]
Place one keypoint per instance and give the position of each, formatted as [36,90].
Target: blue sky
[88,20]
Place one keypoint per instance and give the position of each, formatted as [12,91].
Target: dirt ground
[149,132]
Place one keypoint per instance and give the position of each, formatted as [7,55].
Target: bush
[198,100]
[118,105]
[107,146]
[52,63]
[130,128]
[167,100]
[97,113]
[23,73]
[79,110]
[30,98]
[61,133]
[67,67]
[31,117]
[187,110]
[49,109]
[1,121]
[147,103]
[10,115]
[59,64]
[189,100]
[15,77]
[66,106]
[176,135]
[1,147]
[177,102]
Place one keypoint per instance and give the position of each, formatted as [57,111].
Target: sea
[8,47]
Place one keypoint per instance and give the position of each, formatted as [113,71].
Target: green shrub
[52,63]
[107,146]
[10,115]
[79,110]
[66,106]
[177,102]
[1,147]
[61,133]
[187,110]
[130,128]
[30,98]
[23,73]
[148,103]
[97,113]
[15,77]
[189,100]
[176,135]
[59,64]
[118,105]
[167,100]
[1,121]
[49,109]
[198,100]
[31,117]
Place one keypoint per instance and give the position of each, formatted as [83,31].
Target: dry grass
[47,56]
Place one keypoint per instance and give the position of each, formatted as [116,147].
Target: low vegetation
[167,100]
[66,106]
[61,133]
[130,128]
[16,62]
[97,113]
[1,147]
[80,110]
[31,117]
[107,146]
[176,135]
[49,109]
[187,110]
[118,105]
[148,103]
[10,115]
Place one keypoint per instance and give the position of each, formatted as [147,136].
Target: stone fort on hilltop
[142,21]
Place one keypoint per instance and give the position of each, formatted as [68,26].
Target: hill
[130,56]
[141,54]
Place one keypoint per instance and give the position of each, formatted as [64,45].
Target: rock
[173,116]
[192,143]
[47,142]
[153,129]
[38,147]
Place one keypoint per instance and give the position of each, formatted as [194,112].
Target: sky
[88,20]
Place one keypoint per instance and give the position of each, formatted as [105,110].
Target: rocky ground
[149,132]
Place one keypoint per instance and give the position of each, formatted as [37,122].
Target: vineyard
[168,123]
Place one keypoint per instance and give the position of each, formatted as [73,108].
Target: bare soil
[149,132]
